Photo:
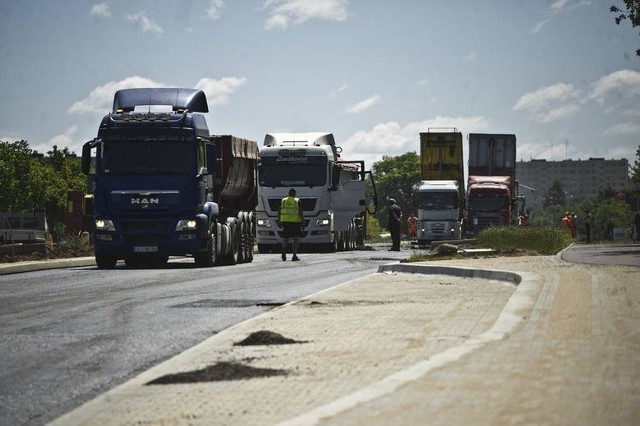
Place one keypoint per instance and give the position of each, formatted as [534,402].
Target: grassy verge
[545,240]
[509,241]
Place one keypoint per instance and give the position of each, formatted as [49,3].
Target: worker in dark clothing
[610,227]
[395,224]
[636,220]
[587,226]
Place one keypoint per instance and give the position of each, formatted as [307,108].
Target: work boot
[284,256]
[294,258]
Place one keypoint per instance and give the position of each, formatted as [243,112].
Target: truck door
[347,201]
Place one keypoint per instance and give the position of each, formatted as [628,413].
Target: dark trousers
[395,238]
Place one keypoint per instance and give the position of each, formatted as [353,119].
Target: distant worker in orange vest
[565,220]
[413,226]
[572,224]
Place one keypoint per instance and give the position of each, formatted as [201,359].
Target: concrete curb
[488,274]
[14,268]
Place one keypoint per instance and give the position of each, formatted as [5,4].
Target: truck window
[488,201]
[292,174]
[437,200]
[146,157]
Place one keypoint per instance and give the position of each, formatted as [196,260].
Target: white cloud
[339,90]
[622,83]
[213,11]
[364,104]
[549,103]
[557,8]
[623,129]
[559,5]
[218,91]
[538,27]
[392,139]
[554,114]
[286,12]
[471,56]
[100,10]
[66,139]
[146,24]
[100,99]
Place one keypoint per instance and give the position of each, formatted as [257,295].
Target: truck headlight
[264,223]
[323,222]
[105,225]
[186,225]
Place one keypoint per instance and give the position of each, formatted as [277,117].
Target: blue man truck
[163,186]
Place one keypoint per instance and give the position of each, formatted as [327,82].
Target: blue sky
[558,73]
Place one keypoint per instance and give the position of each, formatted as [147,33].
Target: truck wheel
[209,257]
[241,230]
[251,232]
[105,261]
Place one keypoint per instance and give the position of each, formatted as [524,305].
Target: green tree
[396,177]
[635,170]
[554,195]
[631,11]
[15,164]
[32,183]
[616,211]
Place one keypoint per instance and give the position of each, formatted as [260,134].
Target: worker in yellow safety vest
[291,220]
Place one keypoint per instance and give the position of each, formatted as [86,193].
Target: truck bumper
[173,245]
[438,231]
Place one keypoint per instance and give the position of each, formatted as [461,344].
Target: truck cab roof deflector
[191,100]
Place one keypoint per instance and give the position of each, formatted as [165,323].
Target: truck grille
[437,228]
[144,225]
[485,222]
[145,239]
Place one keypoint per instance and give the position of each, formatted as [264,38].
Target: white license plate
[145,249]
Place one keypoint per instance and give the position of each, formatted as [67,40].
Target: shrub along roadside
[530,240]
[545,240]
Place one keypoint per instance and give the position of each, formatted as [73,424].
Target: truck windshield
[488,202]
[292,174]
[437,200]
[147,157]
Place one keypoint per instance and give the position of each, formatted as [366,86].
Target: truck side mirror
[335,176]
[211,158]
[85,165]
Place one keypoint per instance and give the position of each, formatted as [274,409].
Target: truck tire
[232,239]
[242,231]
[250,237]
[105,261]
[208,258]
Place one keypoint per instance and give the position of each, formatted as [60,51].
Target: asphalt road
[604,254]
[68,335]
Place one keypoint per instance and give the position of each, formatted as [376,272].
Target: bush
[544,240]
[373,230]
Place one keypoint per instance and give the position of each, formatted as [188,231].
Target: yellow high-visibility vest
[289,210]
